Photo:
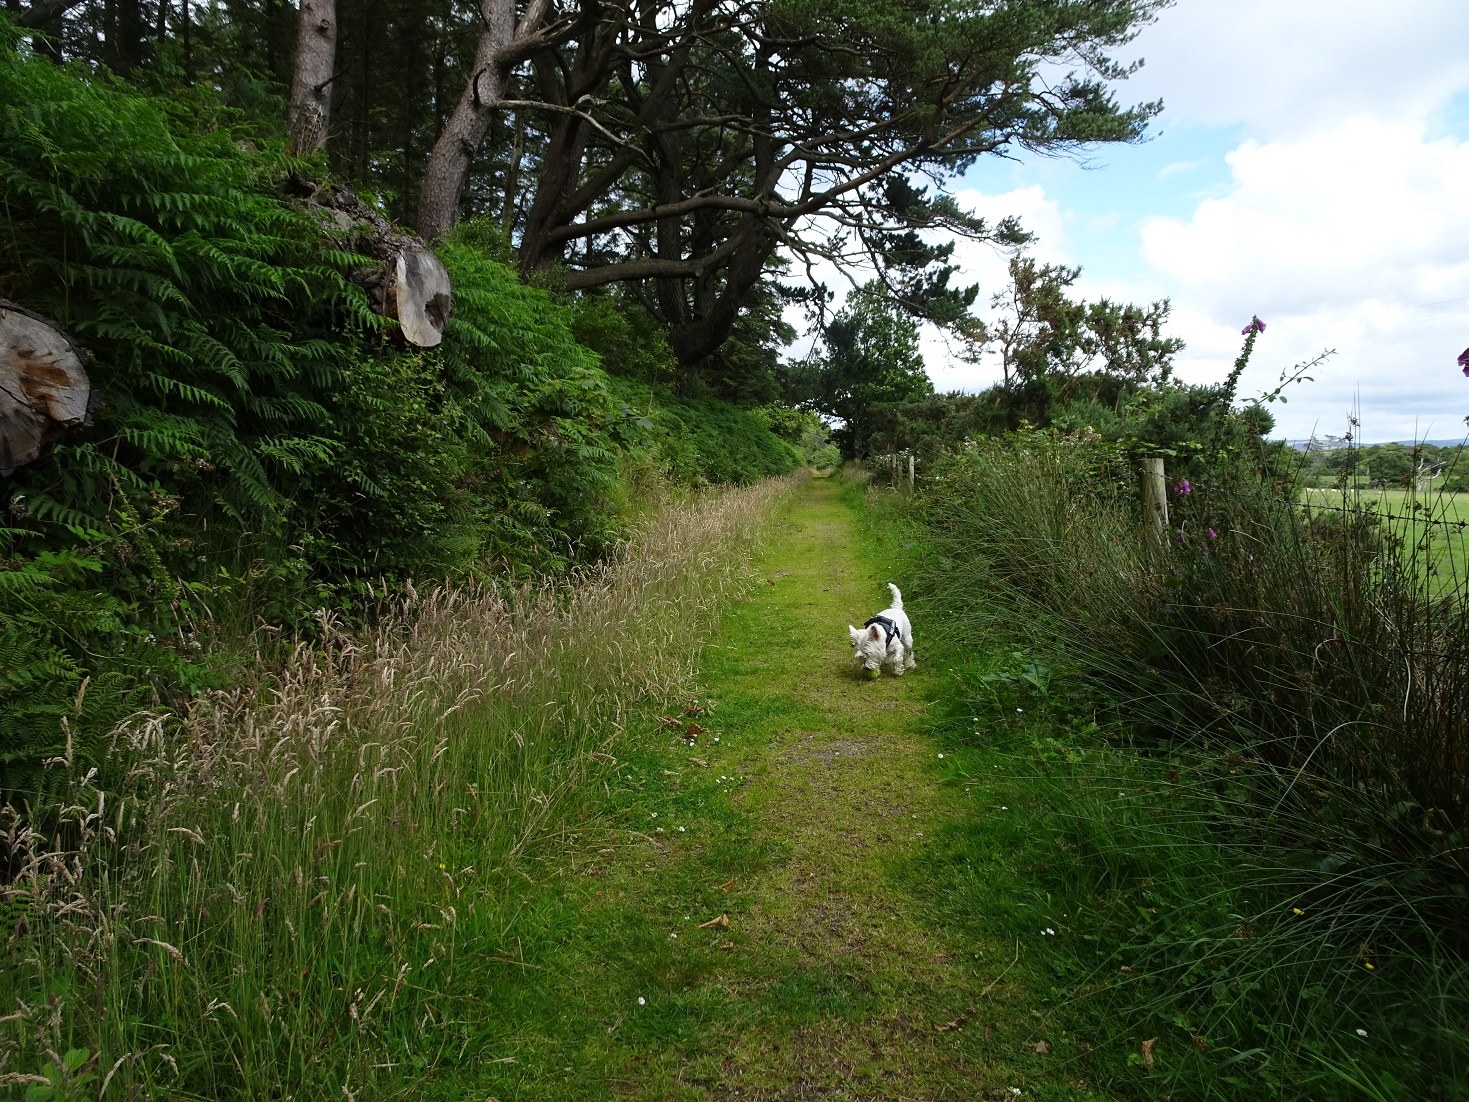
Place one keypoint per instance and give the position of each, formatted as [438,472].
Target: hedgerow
[262,449]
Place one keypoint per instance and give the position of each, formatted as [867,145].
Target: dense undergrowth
[262,448]
[1235,763]
[307,888]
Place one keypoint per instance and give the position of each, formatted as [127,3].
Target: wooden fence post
[1155,498]
[910,472]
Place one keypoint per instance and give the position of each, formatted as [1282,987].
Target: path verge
[798,822]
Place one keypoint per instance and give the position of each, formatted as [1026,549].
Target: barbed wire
[1461,525]
[1345,507]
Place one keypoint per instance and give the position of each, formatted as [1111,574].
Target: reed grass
[1321,646]
[302,885]
[1257,800]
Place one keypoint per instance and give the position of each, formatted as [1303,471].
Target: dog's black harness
[887,626]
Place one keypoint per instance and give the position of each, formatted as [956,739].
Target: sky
[1311,167]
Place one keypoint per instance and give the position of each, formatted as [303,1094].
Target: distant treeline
[1386,466]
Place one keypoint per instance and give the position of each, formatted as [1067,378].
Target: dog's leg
[897,659]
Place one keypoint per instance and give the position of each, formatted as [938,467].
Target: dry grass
[297,885]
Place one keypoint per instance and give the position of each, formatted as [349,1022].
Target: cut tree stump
[408,283]
[44,389]
[419,295]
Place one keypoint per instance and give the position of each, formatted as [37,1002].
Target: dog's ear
[854,633]
[876,632]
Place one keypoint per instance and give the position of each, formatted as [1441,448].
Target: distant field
[1450,544]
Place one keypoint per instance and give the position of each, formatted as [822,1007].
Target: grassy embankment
[1053,906]
[319,886]
[1189,801]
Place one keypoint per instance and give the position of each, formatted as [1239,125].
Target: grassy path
[832,977]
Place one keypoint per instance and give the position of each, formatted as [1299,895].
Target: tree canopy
[697,154]
[870,358]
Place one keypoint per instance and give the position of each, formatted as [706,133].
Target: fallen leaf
[1148,1052]
[671,721]
[722,922]
[726,885]
[694,710]
[1043,1048]
[957,1023]
[694,729]
[700,762]
[1199,1043]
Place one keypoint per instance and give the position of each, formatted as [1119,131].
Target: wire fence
[1360,507]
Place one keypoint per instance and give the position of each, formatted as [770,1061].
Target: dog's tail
[897,597]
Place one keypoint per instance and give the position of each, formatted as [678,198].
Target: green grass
[952,885]
[334,880]
[1437,520]
[1228,911]
[839,963]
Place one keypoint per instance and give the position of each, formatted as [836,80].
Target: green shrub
[260,448]
[703,440]
[145,228]
[1296,685]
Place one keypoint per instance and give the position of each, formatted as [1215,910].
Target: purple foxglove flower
[1181,488]
[1464,361]
[1255,326]
[1212,533]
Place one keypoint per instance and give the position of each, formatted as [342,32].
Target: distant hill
[1300,445]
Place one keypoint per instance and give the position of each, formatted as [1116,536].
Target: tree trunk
[502,43]
[44,389]
[457,144]
[311,91]
[418,294]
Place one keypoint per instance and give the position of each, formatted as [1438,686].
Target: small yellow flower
[1297,911]
[1369,965]
[442,865]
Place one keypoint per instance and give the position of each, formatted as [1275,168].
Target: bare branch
[43,12]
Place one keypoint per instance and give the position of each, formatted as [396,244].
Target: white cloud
[989,267]
[1286,68]
[1355,238]
[1344,223]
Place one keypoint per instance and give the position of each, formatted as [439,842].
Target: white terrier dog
[885,640]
